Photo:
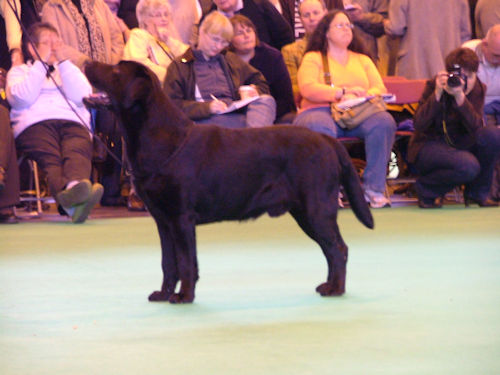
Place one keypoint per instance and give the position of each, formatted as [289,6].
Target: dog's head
[128,84]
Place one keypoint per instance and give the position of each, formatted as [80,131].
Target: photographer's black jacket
[461,122]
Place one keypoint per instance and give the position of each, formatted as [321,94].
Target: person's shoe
[134,203]
[376,199]
[341,203]
[82,211]
[78,194]
[482,203]
[430,203]
[7,216]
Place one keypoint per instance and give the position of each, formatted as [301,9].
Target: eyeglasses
[218,40]
[160,15]
[343,26]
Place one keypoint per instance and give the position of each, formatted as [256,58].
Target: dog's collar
[179,149]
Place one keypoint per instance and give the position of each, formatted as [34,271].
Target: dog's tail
[352,187]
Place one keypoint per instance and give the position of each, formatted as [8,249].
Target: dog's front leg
[183,232]
[168,265]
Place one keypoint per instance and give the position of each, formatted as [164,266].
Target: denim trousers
[377,132]
[493,109]
[258,114]
[442,167]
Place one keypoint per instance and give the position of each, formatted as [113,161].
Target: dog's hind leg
[168,265]
[184,238]
[324,230]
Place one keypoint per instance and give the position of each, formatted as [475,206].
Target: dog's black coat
[188,174]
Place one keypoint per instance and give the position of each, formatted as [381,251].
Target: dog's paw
[159,296]
[327,289]
[180,298]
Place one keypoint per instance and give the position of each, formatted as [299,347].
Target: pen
[214,98]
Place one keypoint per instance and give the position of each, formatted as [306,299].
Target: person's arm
[74,83]
[251,76]
[292,66]
[50,15]
[175,88]
[429,107]
[471,109]
[465,24]
[12,29]
[24,84]
[280,31]
[281,88]
[369,15]
[310,79]
[397,22]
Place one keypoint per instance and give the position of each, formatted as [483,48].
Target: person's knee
[380,125]
[317,120]
[468,168]
[261,112]
[266,100]
[386,124]
[488,137]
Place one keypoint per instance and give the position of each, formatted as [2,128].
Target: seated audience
[153,43]
[488,51]
[87,28]
[450,146]
[311,12]
[272,28]
[9,173]
[203,82]
[353,74]
[50,130]
[268,61]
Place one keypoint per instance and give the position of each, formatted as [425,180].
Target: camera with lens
[454,76]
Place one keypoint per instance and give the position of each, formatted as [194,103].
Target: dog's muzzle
[97,100]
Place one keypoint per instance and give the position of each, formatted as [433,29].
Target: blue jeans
[493,109]
[259,113]
[442,167]
[377,133]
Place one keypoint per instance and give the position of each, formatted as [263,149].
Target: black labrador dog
[194,174]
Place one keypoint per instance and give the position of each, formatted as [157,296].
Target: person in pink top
[353,74]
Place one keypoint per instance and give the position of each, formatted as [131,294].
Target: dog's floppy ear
[138,91]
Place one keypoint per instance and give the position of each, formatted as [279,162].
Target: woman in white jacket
[53,130]
[154,43]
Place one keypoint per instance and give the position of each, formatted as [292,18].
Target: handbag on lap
[352,116]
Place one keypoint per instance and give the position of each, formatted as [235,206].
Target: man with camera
[451,146]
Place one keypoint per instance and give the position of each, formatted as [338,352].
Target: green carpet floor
[423,297]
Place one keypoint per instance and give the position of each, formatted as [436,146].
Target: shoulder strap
[165,49]
[326,69]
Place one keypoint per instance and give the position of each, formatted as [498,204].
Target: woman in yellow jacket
[353,74]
